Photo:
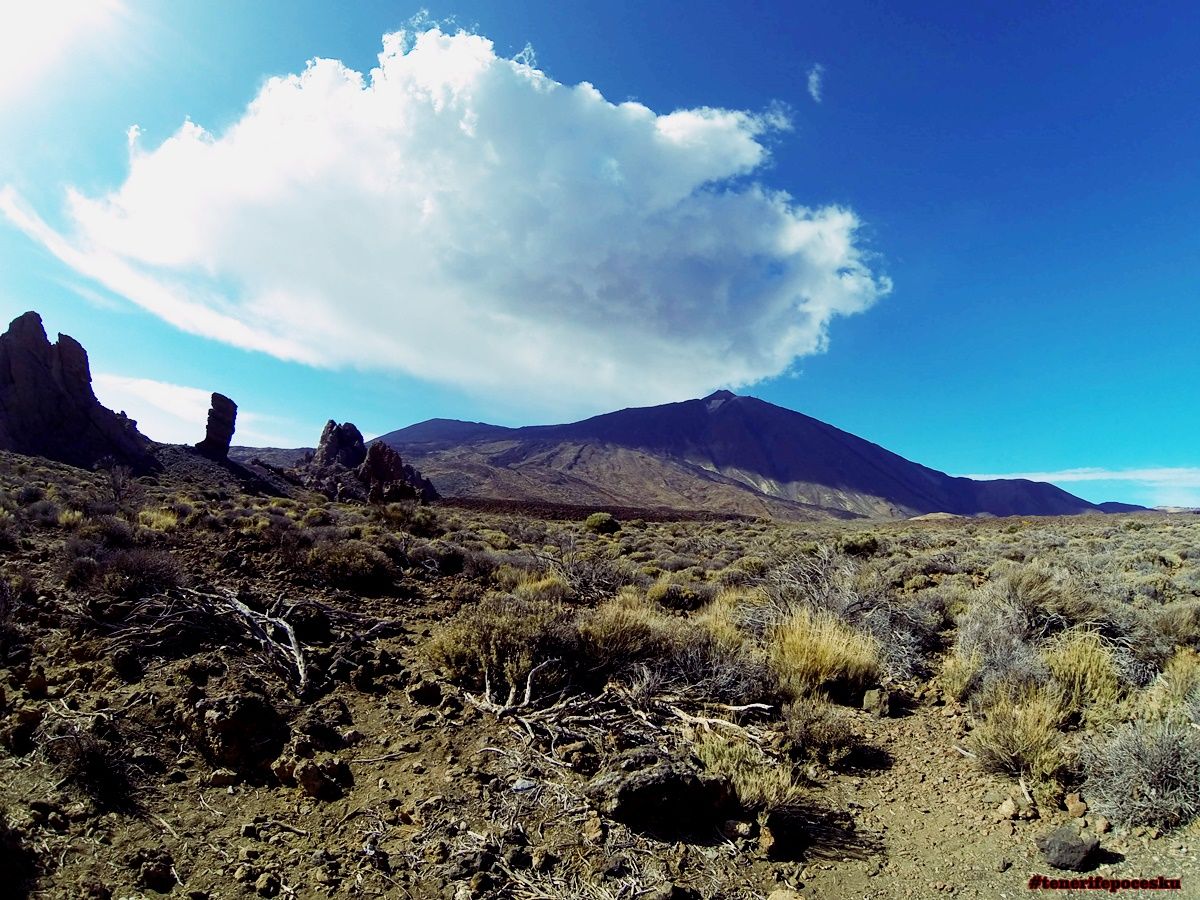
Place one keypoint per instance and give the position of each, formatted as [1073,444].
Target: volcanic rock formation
[340,445]
[343,468]
[47,407]
[222,416]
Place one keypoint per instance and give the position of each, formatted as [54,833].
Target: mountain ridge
[727,452]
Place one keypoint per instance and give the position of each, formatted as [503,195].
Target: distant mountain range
[722,453]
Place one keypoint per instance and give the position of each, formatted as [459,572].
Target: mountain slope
[722,452]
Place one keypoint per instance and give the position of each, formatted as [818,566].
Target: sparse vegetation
[506,663]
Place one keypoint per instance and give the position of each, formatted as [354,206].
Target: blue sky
[967,232]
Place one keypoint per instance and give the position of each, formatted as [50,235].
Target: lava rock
[1068,848]
[666,797]
[47,407]
[340,445]
[222,417]
[242,732]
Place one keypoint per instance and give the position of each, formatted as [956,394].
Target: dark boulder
[1069,848]
[47,407]
[664,796]
[222,416]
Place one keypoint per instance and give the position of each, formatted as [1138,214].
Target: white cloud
[36,36]
[175,414]
[1161,486]
[816,76]
[466,219]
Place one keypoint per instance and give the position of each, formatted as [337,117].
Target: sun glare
[36,37]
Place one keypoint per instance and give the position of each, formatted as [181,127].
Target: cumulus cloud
[466,219]
[176,414]
[1158,486]
[816,77]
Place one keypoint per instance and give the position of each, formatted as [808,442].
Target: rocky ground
[256,728]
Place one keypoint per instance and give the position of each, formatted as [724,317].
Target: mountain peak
[717,399]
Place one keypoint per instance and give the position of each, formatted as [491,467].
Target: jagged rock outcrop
[388,478]
[340,445]
[344,468]
[47,407]
[222,418]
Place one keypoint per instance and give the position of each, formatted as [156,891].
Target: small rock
[523,784]
[1101,825]
[155,870]
[784,894]
[1007,810]
[267,884]
[1003,864]
[1068,848]
[878,702]
[249,830]
[543,859]
[594,829]
[425,693]
[735,828]
[1075,806]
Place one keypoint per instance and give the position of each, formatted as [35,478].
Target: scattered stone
[425,693]
[242,732]
[267,884]
[878,702]
[784,894]
[155,869]
[735,828]
[1075,806]
[1101,825]
[325,777]
[1067,847]
[543,859]
[222,417]
[221,778]
[1003,864]
[594,830]
[1007,809]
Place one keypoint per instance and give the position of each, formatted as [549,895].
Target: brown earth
[159,745]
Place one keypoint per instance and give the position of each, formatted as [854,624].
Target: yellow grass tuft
[813,652]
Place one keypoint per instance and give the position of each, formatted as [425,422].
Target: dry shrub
[500,641]
[98,765]
[674,595]
[1081,663]
[1181,622]
[959,675]
[353,563]
[817,730]
[139,572]
[159,519]
[813,652]
[624,632]
[761,782]
[548,588]
[1145,773]
[1019,734]
[1176,692]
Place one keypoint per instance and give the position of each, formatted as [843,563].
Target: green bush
[602,523]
